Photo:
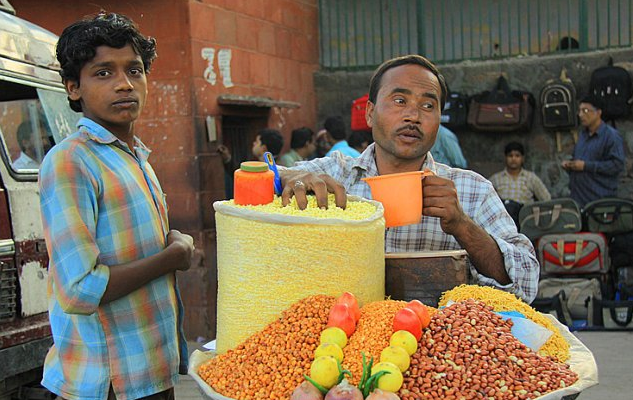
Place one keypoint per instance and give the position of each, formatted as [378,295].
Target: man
[359,140]
[461,208]
[446,149]
[302,145]
[336,136]
[267,140]
[598,157]
[28,153]
[114,306]
[515,185]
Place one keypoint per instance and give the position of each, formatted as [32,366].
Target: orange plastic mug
[400,195]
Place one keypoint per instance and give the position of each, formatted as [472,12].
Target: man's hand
[299,183]
[573,165]
[440,200]
[182,244]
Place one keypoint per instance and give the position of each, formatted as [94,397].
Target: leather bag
[577,296]
[610,215]
[501,110]
[552,216]
[573,254]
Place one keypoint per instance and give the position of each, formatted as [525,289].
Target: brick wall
[274,53]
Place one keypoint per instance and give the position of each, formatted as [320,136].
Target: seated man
[461,208]
[515,185]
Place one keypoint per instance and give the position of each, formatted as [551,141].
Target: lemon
[404,339]
[324,370]
[329,349]
[334,334]
[397,356]
[390,382]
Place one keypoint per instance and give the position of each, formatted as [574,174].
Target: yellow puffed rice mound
[270,257]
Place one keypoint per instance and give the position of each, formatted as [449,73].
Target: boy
[114,306]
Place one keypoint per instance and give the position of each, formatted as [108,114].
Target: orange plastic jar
[253,184]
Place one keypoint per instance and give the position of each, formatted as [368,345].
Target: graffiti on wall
[224,66]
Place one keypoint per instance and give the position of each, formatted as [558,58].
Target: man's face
[588,114]
[514,160]
[258,149]
[311,146]
[406,115]
[112,88]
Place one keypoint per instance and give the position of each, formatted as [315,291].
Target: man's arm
[538,188]
[501,256]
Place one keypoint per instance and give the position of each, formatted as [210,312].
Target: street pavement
[613,352]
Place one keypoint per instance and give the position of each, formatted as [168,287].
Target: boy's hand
[225,153]
[183,246]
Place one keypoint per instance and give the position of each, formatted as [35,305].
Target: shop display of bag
[612,85]
[359,123]
[616,315]
[501,110]
[609,215]
[624,283]
[455,113]
[558,103]
[576,295]
[573,253]
[621,250]
[552,216]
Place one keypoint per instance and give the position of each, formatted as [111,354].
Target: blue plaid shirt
[478,200]
[102,205]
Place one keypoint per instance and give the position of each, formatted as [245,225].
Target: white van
[34,115]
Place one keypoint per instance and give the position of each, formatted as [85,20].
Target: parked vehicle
[34,115]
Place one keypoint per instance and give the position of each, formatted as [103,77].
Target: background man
[446,149]
[302,145]
[515,185]
[336,135]
[461,208]
[598,157]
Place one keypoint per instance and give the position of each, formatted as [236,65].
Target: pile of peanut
[468,352]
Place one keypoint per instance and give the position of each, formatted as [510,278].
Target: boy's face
[112,88]
[258,148]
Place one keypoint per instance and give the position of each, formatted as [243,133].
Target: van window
[32,120]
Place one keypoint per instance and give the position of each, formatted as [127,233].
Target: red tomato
[407,320]
[341,317]
[352,303]
[421,311]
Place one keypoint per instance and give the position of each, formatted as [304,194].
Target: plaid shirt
[102,206]
[524,188]
[478,200]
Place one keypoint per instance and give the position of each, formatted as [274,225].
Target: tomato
[349,299]
[421,311]
[407,320]
[341,317]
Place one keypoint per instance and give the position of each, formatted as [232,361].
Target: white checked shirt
[478,200]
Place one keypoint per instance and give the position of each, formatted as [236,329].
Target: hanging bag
[573,254]
[552,216]
[501,110]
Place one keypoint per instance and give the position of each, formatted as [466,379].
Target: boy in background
[114,306]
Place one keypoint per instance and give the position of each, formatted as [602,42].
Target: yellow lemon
[396,355]
[406,340]
[329,349]
[390,382]
[324,370]
[334,334]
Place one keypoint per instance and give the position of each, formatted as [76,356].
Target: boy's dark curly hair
[78,44]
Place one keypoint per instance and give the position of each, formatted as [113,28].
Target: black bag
[621,250]
[616,315]
[552,216]
[501,110]
[624,283]
[612,85]
[513,208]
[609,215]
[558,103]
[455,113]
